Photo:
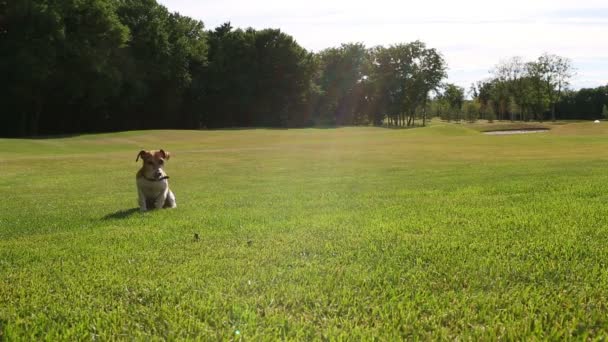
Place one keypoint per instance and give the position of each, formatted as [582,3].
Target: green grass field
[342,234]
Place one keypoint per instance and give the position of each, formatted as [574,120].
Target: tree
[26,69]
[188,63]
[283,79]
[556,72]
[488,112]
[427,73]
[454,96]
[522,89]
[537,89]
[439,107]
[166,54]
[342,72]
[586,103]
[257,78]
[472,110]
[230,77]
[60,69]
[509,75]
[406,74]
[513,108]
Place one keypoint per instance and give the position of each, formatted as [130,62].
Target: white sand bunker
[517,131]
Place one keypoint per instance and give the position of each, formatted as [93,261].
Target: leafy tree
[166,54]
[513,108]
[257,78]
[230,76]
[472,110]
[523,90]
[189,60]
[26,69]
[60,67]
[537,89]
[510,91]
[99,65]
[556,74]
[454,96]
[439,107]
[488,112]
[283,79]
[406,74]
[586,103]
[341,74]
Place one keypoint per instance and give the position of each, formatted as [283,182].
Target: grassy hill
[438,232]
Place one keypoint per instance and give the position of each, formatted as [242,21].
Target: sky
[472,35]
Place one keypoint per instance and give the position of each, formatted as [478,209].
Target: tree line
[523,91]
[72,66]
[103,65]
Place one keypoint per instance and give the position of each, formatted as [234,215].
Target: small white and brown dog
[152,181]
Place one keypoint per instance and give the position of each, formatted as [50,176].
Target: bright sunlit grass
[352,233]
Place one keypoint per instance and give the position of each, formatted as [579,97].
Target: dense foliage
[90,65]
[103,65]
[524,91]
[74,66]
[587,103]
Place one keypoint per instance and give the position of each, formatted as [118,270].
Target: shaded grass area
[353,233]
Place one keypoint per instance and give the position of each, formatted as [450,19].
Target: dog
[152,181]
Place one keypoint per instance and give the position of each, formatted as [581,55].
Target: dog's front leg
[142,201]
[160,200]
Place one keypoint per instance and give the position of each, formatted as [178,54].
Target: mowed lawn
[351,233]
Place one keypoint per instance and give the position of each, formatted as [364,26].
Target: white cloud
[473,35]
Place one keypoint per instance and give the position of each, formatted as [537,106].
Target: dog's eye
[161,162]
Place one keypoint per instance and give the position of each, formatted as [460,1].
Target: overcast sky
[473,35]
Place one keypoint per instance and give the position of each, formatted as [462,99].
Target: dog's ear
[140,154]
[165,154]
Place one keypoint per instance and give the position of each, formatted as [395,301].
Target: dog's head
[154,161]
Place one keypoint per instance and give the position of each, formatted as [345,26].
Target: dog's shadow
[121,214]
